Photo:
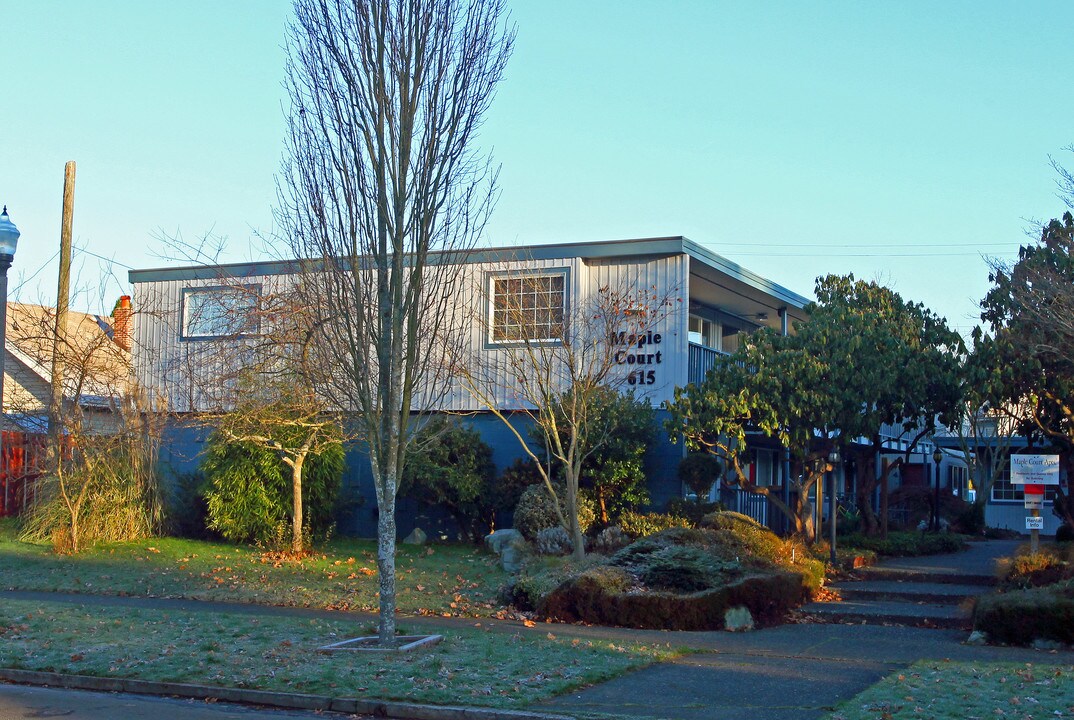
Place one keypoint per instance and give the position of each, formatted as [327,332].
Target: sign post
[1033,472]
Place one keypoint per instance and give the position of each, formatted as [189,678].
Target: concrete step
[914,592]
[921,575]
[890,613]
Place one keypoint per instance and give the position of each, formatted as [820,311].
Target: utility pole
[59,340]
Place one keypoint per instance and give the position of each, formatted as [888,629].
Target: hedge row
[1021,616]
[600,596]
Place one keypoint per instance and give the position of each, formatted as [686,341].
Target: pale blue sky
[897,140]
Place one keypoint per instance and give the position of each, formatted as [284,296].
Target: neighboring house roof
[97,370]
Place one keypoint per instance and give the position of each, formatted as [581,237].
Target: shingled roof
[97,369]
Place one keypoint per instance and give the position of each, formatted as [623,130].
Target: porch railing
[701,360]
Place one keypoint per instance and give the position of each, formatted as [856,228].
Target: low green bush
[248,492]
[686,570]
[536,512]
[747,540]
[639,525]
[908,543]
[1019,617]
[692,511]
[768,596]
[846,558]
[679,578]
[540,577]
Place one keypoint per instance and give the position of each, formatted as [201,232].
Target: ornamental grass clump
[1046,567]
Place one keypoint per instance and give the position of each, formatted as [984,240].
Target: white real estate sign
[1034,469]
[1034,523]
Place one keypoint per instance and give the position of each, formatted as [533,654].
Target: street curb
[290,701]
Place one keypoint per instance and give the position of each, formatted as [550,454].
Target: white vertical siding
[182,372]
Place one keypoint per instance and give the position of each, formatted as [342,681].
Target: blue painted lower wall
[357,512]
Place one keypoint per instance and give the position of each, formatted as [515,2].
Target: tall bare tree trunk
[297,544]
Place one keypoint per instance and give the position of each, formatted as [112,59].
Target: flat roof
[672,245]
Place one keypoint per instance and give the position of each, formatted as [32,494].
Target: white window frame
[249,324]
[520,337]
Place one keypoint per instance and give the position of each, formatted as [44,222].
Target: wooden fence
[22,460]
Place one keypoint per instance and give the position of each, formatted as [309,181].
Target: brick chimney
[121,322]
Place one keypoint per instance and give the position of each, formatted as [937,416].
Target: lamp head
[937,456]
[9,234]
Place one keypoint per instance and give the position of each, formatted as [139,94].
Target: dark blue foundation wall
[183,444]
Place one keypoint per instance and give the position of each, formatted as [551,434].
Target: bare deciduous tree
[555,360]
[104,485]
[380,188]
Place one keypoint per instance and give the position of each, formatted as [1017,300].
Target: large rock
[416,537]
[738,619]
[513,555]
[510,546]
[499,539]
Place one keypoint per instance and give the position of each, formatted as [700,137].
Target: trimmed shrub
[543,575]
[699,471]
[752,543]
[248,491]
[908,543]
[1064,533]
[769,598]
[553,541]
[611,539]
[639,525]
[686,570]
[454,471]
[535,511]
[1021,616]
[692,511]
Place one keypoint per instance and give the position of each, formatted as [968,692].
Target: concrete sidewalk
[783,673]
[797,672]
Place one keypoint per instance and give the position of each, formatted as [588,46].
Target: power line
[106,259]
[882,254]
[35,273]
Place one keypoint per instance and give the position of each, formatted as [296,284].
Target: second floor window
[704,332]
[214,312]
[528,308]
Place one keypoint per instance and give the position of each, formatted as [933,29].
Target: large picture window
[528,308]
[213,312]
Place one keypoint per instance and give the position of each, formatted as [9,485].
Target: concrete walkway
[932,591]
[797,672]
[789,672]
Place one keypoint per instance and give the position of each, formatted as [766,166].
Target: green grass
[472,666]
[932,689]
[456,580]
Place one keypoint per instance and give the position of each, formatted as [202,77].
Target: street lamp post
[9,240]
[833,459]
[937,456]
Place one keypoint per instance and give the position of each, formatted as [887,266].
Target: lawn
[446,580]
[968,691]
[471,666]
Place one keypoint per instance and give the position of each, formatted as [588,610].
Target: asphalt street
[19,702]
